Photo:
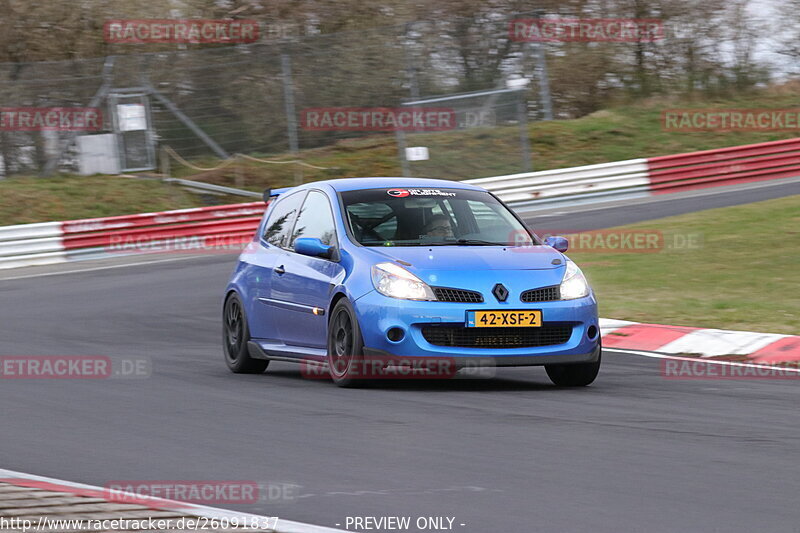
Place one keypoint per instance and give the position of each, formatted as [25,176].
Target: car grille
[445,294]
[545,294]
[509,337]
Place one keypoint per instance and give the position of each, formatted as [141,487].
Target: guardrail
[199,186]
[226,227]
[606,179]
[645,177]
[231,226]
[184,230]
[31,244]
[728,166]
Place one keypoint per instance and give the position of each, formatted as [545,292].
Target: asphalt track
[633,452]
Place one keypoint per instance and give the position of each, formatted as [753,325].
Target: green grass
[745,273]
[24,200]
[622,132]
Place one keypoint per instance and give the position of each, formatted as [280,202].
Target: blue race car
[359,275]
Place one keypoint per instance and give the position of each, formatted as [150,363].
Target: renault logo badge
[500,292]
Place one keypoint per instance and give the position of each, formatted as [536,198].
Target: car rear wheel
[345,346]
[574,375]
[235,335]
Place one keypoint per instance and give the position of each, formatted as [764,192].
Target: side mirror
[266,195]
[313,247]
[559,243]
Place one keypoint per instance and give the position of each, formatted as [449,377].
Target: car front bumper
[378,314]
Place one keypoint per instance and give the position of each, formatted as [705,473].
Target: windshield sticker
[402,193]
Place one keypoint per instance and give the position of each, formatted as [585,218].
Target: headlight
[396,282]
[574,284]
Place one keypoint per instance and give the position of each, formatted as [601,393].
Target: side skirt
[282,352]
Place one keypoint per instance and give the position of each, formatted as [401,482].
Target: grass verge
[26,200]
[744,274]
[618,133]
[622,132]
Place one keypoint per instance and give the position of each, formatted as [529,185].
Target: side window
[281,218]
[315,220]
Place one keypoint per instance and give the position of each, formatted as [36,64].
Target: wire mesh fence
[212,103]
[489,136]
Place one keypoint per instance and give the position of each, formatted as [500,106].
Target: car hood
[473,258]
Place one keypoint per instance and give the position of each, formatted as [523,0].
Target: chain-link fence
[489,136]
[216,102]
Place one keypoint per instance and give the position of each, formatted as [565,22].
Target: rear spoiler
[272,193]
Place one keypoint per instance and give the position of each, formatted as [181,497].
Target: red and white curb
[761,348]
[278,525]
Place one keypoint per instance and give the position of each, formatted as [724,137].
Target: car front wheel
[345,346]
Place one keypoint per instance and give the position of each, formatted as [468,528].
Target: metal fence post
[164,162]
[524,137]
[413,87]
[544,80]
[405,168]
[291,117]
[411,67]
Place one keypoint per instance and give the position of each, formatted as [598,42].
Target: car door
[301,285]
[275,235]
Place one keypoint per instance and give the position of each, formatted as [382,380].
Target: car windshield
[431,217]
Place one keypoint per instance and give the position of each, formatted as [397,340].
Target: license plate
[499,319]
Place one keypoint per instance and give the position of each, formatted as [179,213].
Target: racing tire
[235,336]
[345,346]
[575,374]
